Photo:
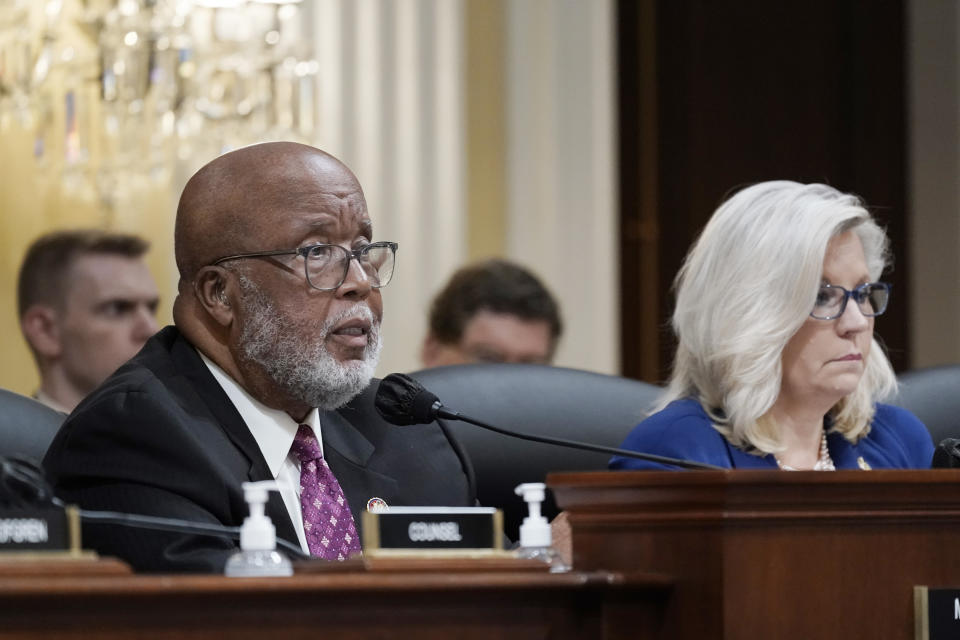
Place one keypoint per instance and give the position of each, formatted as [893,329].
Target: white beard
[300,364]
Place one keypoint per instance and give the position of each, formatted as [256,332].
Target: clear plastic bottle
[535,537]
[258,563]
[258,556]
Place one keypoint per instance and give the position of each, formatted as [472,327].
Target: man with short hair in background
[87,303]
[492,311]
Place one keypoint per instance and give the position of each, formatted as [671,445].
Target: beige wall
[32,203]
[486,118]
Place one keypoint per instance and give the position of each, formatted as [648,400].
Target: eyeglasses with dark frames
[871,298]
[326,265]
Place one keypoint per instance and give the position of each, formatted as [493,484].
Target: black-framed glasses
[326,265]
[871,298]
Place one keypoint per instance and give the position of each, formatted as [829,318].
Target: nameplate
[30,530]
[936,613]
[434,529]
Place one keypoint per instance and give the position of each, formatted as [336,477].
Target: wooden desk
[670,555]
[768,554]
[363,601]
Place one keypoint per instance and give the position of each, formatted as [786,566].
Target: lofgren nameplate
[936,613]
[433,529]
[38,529]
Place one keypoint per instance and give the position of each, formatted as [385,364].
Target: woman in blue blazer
[777,365]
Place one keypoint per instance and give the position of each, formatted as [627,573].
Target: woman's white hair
[744,290]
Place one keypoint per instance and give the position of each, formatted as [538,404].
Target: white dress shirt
[46,399]
[274,431]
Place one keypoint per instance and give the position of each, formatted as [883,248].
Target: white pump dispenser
[258,556]
[535,537]
[535,530]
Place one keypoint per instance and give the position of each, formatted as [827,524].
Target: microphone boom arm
[443,412]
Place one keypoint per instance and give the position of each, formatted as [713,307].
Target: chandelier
[112,92]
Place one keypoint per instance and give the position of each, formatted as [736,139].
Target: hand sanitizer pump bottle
[535,538]
[258,555]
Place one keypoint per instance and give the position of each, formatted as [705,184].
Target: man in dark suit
[276,339]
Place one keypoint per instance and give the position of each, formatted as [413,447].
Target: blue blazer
[897,440]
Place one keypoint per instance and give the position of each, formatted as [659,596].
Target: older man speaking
[266,375]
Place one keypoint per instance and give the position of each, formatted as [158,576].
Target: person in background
[265,376]
[492,311]
[777,365]
[87,303]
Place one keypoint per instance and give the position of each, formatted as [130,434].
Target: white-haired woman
[777,365]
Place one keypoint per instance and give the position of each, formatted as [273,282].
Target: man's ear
[41,329]
[215,290]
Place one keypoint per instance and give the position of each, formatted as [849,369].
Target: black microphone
[403,401]
[946,455]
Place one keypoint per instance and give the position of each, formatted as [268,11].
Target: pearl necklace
[824,462]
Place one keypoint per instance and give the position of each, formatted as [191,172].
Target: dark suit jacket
[160,437]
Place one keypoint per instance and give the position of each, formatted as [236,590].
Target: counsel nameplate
[433,529]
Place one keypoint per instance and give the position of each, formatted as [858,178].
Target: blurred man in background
[87,303]
[492,311]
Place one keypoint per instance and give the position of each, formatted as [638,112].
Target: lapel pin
[377,505]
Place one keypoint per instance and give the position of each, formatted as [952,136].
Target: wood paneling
[351,600]
[728,94]
[767,554]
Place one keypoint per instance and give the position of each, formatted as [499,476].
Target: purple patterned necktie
[327,521]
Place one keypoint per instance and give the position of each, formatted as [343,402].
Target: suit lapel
[207,391]
[348,452]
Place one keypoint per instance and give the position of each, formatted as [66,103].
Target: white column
[562,202]
[392,81]
[391,87]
